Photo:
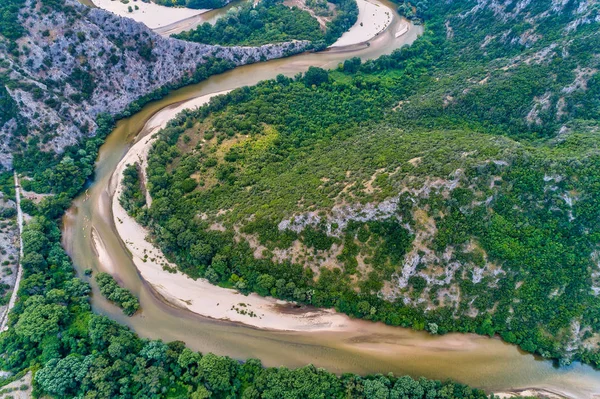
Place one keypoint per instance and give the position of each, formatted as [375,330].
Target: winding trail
[13,296]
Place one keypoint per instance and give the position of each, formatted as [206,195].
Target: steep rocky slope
[74,63]
[515,37]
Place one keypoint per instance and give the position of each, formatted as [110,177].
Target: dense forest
[450,186]
[133,198]
[271,21]
[10,26]
[76,353]
[268,22]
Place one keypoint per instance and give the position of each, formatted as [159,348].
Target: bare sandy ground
[199,296]
[531,392]
[102,253]
[181,25]
[372,20]
[154,16]
[402,29]
[19,389]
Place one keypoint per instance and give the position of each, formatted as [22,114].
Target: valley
[435,181]
[156,313]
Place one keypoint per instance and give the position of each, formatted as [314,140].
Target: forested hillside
[52,330]
[64,65]
[271,21]
[451,186]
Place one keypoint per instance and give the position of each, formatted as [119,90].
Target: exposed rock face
[510,10]
[578,12]
[521,33]
[78,62]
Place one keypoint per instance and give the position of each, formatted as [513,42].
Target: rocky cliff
[74,63]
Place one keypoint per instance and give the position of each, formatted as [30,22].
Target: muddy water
[368,348]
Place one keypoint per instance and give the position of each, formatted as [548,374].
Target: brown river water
[368,348]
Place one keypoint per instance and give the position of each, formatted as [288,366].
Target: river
[370,348]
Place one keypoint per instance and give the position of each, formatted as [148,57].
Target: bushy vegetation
[122,297]
[413,10]
[8,108]
[196,4]
[75,353]
[319,7]
[249,25]
[271,21]
[443,127]
[133,198]
[10,26]
[345,18]
[478,168]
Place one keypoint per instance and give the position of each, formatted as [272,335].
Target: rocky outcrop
[576,13]
[523,34]
[76,63]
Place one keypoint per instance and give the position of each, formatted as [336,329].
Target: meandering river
[370,348]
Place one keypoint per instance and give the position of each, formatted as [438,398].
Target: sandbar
[373,19]
[152,15]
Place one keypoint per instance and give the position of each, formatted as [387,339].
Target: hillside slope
[71,63]
[272,21]
[451,186]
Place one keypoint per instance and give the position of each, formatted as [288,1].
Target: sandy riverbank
[532,392]
[182,25]
[402,28]
[372,20]
[154,16]
[199,296]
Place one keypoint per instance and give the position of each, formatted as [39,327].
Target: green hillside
[451,186]
[271,21]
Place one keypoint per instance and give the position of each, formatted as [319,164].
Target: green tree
[41,319]
[316,76]
[61,377]
[218,372]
